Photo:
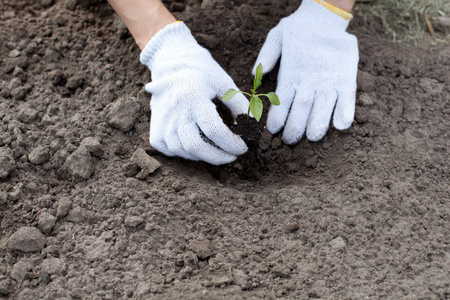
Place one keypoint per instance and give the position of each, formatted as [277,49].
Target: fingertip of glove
[244,148]
[342,125]
[223,160]
[238,105]
[274,124]
[316,134]
[241,146]
[150,87]
[289,140]
[273,129]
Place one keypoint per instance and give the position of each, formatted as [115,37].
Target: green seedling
[255,106]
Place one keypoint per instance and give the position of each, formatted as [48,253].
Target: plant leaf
[258,77]
[229,94]
[256,107]
[273,98]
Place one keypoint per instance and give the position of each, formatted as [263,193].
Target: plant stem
[248,114]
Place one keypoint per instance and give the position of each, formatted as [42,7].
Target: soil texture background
[88,210]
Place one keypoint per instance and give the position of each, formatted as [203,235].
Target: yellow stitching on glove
[336,10]
[176,22]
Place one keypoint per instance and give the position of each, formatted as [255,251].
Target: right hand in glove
[185,79]
[317,76]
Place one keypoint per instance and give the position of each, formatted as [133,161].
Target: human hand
[185,79]
[319,63]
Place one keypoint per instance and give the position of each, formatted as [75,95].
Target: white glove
[185,79]
[319,63]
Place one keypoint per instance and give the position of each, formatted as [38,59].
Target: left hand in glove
[185,79]
[317,76]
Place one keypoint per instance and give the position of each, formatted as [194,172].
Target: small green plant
[256,105]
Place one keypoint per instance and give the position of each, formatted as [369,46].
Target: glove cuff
[325,15]
[166,37]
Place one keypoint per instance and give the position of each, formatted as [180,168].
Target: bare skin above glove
[318,68]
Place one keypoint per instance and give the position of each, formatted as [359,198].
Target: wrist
[326,9]
[324,16]
[158,19]
[346,5]
[166,43]
[143,18]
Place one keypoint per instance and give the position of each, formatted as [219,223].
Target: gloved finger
[172,139]
[193,143]
[298,115]
[160,85]
[174,146]
[238,104]
[345,110]
[270,51]
[152,87]
[157,133]
[160,145]
[278,114]
[320,117]
[212,126]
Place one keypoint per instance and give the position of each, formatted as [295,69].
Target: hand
[185,79]
[317,75]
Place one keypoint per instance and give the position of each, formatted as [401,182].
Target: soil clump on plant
[248,129]
[89,210]
[249,165]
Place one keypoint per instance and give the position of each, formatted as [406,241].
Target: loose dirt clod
[122,114]
[27,239]
[203,250]
[80,163]
[39,155]
[5,286]
[93,145]
[46,222]
[54,266]
[145,162]
[64,206]
[7,163]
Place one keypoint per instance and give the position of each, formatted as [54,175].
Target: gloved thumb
[270,51]
[238,104]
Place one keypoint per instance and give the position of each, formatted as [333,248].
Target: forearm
[346,5]
[143,18]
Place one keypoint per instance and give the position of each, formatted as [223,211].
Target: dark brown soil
[250,165]
[362,214]
[248,129]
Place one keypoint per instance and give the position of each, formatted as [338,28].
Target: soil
[248,129]
[90,211]
[249,165]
